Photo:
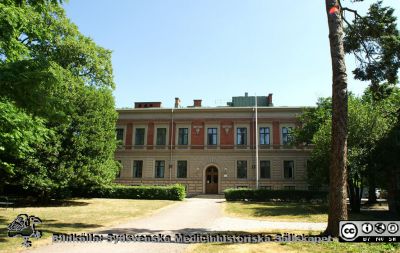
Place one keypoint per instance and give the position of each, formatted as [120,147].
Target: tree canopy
[56,89]
[369,124]
[374,40]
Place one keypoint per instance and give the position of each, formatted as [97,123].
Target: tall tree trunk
[371,177]
[357,204]
[338,169]
[393,192]
[350,193]
[371,192]
[354,197]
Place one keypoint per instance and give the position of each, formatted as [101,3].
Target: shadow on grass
[49,226]
[21,203]
[69,225]
[3,228]
[3,233]
[265,209]
[62,227]
[281,209]
[378,215]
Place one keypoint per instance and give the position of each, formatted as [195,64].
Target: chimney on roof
[147,104]
[177,102]
[197,102]
[269,100]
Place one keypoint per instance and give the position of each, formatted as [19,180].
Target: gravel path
[194,215]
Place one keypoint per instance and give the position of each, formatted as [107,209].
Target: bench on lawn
[5,202]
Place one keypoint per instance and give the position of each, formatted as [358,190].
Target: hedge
[169,192]
[274,195]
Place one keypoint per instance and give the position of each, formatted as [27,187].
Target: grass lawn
[276,211]
[301,212]
[77,215]
[298,247]
[292,247]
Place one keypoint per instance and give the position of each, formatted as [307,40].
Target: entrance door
[212,180]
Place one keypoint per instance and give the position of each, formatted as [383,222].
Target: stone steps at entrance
[209,196]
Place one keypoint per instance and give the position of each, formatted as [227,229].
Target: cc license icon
[349,231]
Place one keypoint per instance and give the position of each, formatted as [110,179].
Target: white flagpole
[256,133]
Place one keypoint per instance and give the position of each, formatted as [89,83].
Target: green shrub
[169,192]
[274,195]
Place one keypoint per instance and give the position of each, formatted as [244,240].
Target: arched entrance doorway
[212,180]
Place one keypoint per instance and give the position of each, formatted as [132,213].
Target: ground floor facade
[213,171]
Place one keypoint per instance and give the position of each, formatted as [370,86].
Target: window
[264,135]
[139,136]
[242,187]
[265,169]
[266,187]
[241,169]
[290,188]
[159,169]
[182,169]
[183,136]
[288,167]
[241,136]
[286,135]
[161,136]
[120,134]
[137,168]
[212,136]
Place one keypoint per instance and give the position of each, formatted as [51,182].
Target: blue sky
[215,49]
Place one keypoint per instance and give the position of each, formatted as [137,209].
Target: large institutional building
[210,149]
